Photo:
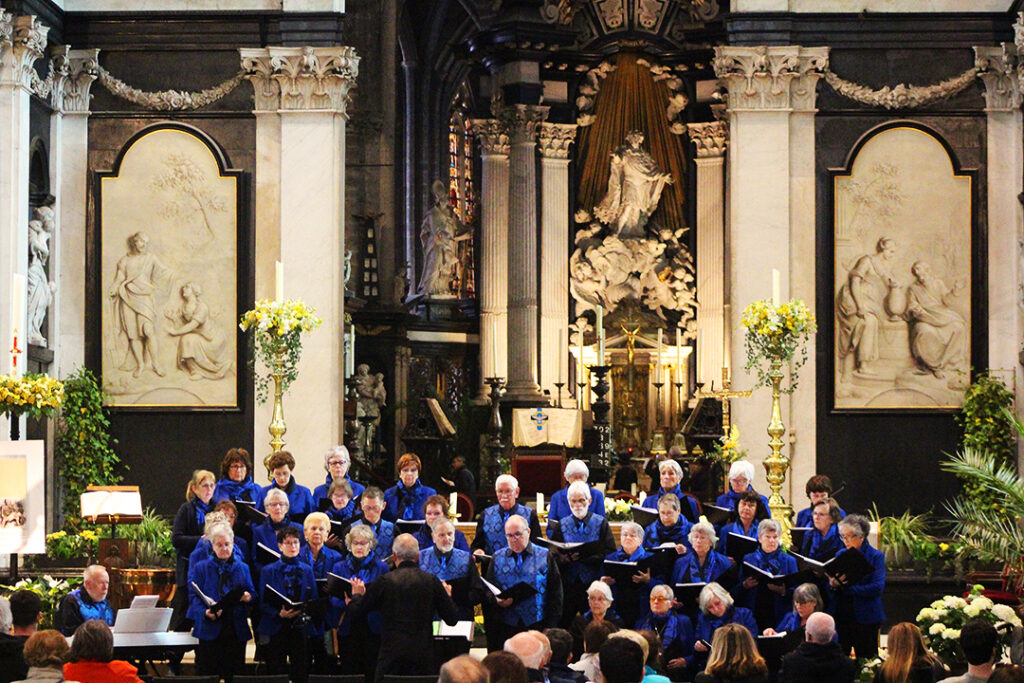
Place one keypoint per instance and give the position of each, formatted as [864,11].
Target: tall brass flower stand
[277,427]
[776,464]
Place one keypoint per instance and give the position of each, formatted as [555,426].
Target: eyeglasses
[276,505]
[518,534]
[848,537]
[660,598]
[237,466]
[335,463]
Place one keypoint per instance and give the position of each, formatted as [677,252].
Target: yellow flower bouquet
[727,449]
[776,333]
[33,395]
[276,329]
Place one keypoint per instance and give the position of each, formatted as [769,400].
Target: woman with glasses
[768,601]
[716,610]
[359,640]
[264,536]
[337,462]
[235,481]
[674,629]
[188,527]
[599,599]
[405,499]
[858,606]
[822,542]
[741,477]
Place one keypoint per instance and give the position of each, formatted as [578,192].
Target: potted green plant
[154,554]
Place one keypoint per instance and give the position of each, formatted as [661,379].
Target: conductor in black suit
[407,598]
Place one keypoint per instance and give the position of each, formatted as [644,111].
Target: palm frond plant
[901,536]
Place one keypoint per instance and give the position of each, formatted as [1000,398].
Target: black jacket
[12,660]
[561,673]
[708,678]
[184,536]
[815,663]
[407,598]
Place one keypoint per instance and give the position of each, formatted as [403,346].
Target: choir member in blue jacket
[769,602]
[716,609]
[235,481]
[436,508]
[185,534]
[522,562]
[674,629]
[599,600]
[575,470]
[266,533]
[222,634]
[490,525]
[358,640]
[741,474]
[748,514]
[578,572]
[317,527]
[342,509]
[406,498]
[858,606]
[806,601]
[822,542]
[300,499]
[286,631]
[702,564]
[373,505]
[337,462]
[670,527]
[204,549]
[818,489]
[670,474]
[631,597]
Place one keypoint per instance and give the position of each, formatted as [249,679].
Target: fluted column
[554,142]
[1005,167]
[74,72]
[492,281]
[301,104]
[710,140]
[522,122]
[771,105]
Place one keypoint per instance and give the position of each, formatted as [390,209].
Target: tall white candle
[540,502]
[453,502]
[352,351]
[561,355]
[494,353]
[17,320]
[679,353]
[580,379]
[600,335]
[278,281]
[775,287]
[657,360]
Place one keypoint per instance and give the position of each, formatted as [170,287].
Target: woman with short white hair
[575,470]
[741,480]
[671,474]
[276,504]
[633,587]
[704,564]
[716,609]
[859,610]
[337,462]
[358,639]
[599,599]
[768,601]
[673,628]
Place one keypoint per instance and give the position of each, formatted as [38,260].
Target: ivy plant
[988,428]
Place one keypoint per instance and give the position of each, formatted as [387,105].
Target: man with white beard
[456,568]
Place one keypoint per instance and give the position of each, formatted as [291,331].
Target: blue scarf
[233,489]
[407,496]
[202,509]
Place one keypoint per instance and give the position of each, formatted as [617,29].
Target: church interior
[516,232]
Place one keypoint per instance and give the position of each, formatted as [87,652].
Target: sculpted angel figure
[635,185]
[40,291]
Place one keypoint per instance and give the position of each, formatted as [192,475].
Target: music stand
[111,505]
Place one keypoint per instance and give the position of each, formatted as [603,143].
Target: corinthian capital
[997,68]
[770,78]
[492,136]
[555,138]
[72,73]
[301,78]
[22,42]
[522,121]
[710,138]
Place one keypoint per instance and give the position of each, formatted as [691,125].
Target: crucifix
[724,395]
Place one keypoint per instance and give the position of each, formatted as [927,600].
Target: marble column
[771,208]
[492,280]
[301,101]
[554,141]
[74,72]
[1005,168]
[710,140]
[522,122]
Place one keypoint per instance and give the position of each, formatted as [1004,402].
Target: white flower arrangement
[940,623]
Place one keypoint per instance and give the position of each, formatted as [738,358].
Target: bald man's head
[528,648]
[820,628]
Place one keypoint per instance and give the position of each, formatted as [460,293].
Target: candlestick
[775,287]
[278,281]
[600,335]
[657,361]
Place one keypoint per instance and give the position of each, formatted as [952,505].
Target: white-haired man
[818,658]
[88,601]
[575,470]
[490,525]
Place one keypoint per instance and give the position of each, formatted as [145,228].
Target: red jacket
[101,672]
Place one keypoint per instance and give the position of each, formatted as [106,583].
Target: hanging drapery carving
[901,96]
[168,100]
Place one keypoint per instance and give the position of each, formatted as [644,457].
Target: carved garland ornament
[677,99]
[168,100]
[588,92]
[901,96]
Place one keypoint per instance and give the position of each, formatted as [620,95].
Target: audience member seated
[91,659]
[359,638]
[405,499]
[822,542]
[768,601]
[462,669]
[818,659]
[235,481]
[46,652]
[504,667]
[716,610]
[1008,674]
[490,525]
[858,607]
[622,661]
[674,629]
[579,571]
[702,565]
[594,637]
[818,489]
[979,642]
[532,651]
[88,601]
[908,660]
[300,498]
[670,527]
[12,661]
[734,658]
[631,597]
[434,509]
[575,470]
[741,475]
[222,634]
[670,474]
[265,533]
[188,529]
[373,506]
[281,629]
[599,599]
[558,670]
[652,657]
[748,513]
[337,462]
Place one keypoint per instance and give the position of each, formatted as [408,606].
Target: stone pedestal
[301,101]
